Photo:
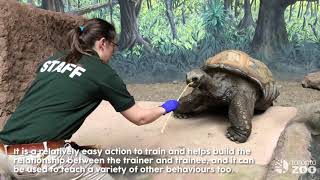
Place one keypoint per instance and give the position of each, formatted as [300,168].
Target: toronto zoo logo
[281,166]
[298,166]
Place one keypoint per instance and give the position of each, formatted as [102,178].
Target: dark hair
[82,38]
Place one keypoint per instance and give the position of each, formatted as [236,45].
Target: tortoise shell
[240,63]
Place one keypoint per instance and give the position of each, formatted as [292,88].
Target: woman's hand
[170,105]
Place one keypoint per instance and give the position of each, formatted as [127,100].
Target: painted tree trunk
[247,19]
[300,9]
[129,28]
[291,12]
[170,16]
[183,12]
[94,7]
[149,4]
[68,5]
[270,34]
[227,5]
[53,5]
[306,14]
[236,6]
[111,11]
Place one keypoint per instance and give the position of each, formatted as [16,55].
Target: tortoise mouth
[192,84]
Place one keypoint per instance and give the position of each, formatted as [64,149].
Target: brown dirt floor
[291,92]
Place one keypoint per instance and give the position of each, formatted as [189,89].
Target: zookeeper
[67,88]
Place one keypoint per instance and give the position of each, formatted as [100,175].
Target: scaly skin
[222,89]
[240,113]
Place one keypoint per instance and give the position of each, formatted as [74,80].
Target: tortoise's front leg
[189,104]
[240,113]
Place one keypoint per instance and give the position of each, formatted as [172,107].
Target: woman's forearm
[141,116]
[150,115]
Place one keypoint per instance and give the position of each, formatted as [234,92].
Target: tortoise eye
[195,79]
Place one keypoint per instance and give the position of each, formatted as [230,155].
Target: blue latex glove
[170,105]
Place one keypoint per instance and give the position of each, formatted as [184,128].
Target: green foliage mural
[203,28]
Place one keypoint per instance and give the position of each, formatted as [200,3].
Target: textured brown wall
[27,36]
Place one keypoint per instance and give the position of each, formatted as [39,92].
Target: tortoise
[234,81]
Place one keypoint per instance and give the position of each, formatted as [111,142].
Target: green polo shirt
[61,97]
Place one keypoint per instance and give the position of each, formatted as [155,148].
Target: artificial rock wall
[27,36]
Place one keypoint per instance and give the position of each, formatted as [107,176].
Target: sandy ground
[291,92]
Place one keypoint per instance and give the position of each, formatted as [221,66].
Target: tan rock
[292,149]
[312,80]
[310,115]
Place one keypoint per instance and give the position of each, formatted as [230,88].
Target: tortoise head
[196,77]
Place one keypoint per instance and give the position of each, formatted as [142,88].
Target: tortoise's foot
[238,134]
[182,115]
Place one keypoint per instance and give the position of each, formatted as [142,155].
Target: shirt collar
[94,53]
